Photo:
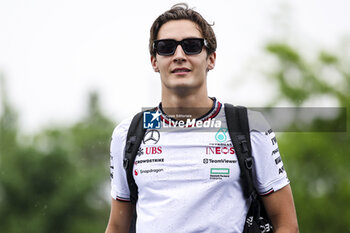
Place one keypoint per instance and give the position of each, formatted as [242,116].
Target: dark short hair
[181,11]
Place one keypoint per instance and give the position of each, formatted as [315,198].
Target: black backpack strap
[134,138]
[257,219]
[133,141]
[238,127]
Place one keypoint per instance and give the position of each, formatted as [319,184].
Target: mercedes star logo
[151,137]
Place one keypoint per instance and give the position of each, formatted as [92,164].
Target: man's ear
[154,63]
[211,61]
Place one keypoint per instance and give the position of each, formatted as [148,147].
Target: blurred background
[70,71]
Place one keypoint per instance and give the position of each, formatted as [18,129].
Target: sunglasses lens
[192,46]
[166,47]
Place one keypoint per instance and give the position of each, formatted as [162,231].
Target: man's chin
[181,85]
[187,84]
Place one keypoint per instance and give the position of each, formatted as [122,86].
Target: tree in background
[57,180]
[317,162]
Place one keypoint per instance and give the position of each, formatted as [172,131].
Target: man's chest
[174,158]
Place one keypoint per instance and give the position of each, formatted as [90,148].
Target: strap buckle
[129,144]
[126,163]
[248,163]
[243,142]
[128,150]
[244,146]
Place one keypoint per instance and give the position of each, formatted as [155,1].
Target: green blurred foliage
[317,162]
[56,180]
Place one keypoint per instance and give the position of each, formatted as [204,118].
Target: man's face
[181,71]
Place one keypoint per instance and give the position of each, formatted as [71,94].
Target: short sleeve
[268,170]
[119,185]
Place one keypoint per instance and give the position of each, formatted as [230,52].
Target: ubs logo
[151,137]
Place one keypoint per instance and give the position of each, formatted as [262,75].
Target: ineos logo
[151,137]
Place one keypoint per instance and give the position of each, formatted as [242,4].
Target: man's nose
[179,54]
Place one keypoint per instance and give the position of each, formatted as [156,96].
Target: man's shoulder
[122,128]
[257,121]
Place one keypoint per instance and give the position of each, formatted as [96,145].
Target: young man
[188,178]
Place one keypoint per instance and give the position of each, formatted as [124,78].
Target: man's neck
[189,106]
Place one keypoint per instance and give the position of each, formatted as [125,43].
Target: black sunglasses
[190,46]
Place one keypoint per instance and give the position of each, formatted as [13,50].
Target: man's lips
[180,70]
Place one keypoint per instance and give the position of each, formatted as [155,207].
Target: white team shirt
[189,178]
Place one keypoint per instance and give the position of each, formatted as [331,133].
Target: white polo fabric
[188,177]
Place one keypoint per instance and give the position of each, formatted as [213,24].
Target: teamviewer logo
[151,120]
